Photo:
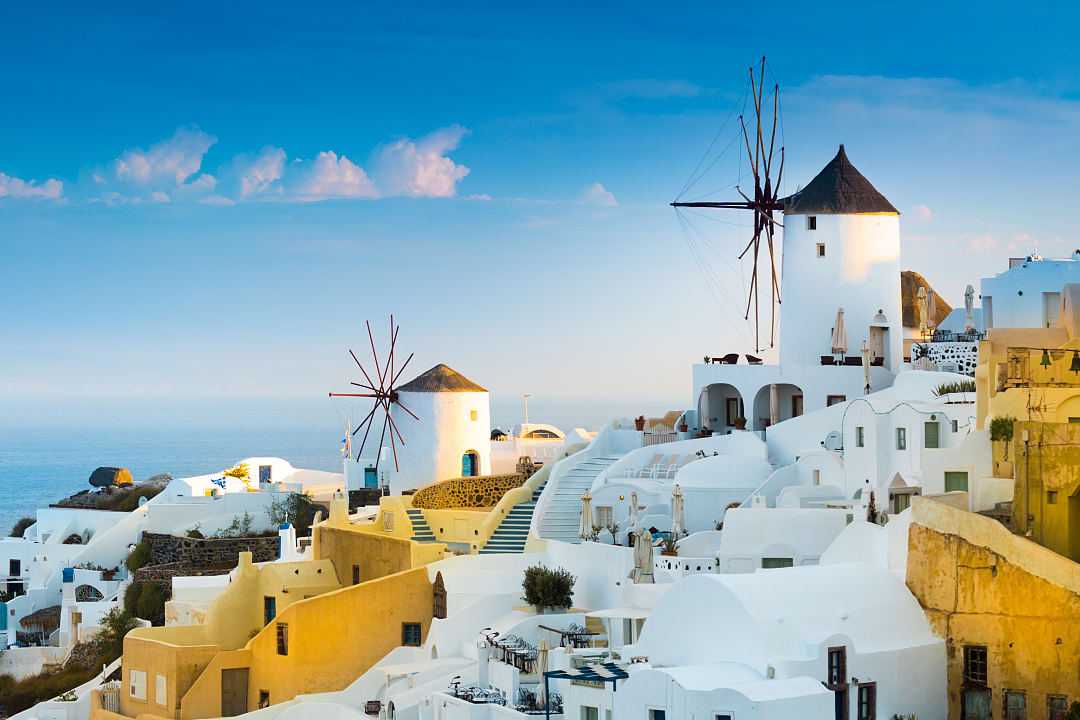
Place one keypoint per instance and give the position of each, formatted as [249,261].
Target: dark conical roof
[441,378]
[838,189]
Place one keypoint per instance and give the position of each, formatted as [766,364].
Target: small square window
[472,415]
[161,686]
[860,436]
[264,699]
[821,250]
[770,563]
[811,222]
[835,400]
[1051,497]
[975,664]
[1015,705]
[355,574]
[137,682]
[411,635]
[282,639]
[901,438]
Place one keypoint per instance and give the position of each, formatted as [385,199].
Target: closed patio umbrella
[585,532]
[969,309]
[643,557]
[839,334]
[633,513]
[923,302]
[541,668]
[678,513]
[865,350]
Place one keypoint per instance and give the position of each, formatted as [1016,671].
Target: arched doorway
[470,464]
[719,406]
[789,404]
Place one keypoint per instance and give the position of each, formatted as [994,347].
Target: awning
[601,672]
[628,613]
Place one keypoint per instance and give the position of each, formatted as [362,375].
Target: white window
[860,436]
[817,477]
[811,222]
[161,696]
[137,681]
[901,438]
[988,312]
[956,426]
[821,250]
[590,713]
[657,714]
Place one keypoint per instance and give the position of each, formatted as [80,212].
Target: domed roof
[839,189]
[441,378]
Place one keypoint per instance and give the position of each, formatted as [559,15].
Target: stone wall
[466,492]
[209,552]
[983,587]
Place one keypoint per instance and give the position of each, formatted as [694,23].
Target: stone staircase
[562,516]
[513,531]
[421,531]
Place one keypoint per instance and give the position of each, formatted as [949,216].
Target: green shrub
[20,526]
[296,509]
[139,557]
[544,587]
[1001,428]
[239,527]
[963,386]
[129,500]
[146,600]
[114,626]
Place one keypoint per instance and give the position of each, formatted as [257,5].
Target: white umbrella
[839,334]
[633,513]
[969,308]
[678,519]
[541,668]
[643,557]
[931,309]
[924,311]
[585,533]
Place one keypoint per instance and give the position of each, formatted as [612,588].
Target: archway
[789,404]
[719,406]
[88,593]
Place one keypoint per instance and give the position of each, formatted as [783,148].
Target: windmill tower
[841,249]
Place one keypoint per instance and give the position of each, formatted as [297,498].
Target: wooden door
[234,692]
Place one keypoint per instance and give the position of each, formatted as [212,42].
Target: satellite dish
[834,441]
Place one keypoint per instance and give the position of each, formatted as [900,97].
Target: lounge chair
[729,359]
[751,360]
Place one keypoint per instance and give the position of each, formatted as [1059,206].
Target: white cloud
[329,176]
[922,213]
[169,162]
[216,200]
[481,197]
[420,168]
[982,243]
[597,195]
[13,187]
[260,174]
[160,197]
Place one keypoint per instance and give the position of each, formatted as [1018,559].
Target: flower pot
[639,423]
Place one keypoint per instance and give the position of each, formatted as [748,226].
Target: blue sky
[199,206]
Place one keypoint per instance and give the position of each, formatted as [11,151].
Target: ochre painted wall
[1046,500]
[333,639]
[981,585]
[377,555]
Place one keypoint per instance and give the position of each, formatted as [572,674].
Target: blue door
[371,480]
[468,465]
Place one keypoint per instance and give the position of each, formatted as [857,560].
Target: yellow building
[280,629]
[1008,609]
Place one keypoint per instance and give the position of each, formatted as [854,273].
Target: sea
[39,466]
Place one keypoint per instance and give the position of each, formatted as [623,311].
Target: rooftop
[839,189]
[441,378]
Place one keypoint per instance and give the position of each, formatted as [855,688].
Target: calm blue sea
[38,467]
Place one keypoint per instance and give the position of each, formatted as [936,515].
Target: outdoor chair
[730,359]
[750,359]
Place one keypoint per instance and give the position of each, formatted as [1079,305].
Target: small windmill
[383,393]
[764,203]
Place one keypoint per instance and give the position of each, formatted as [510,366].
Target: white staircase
[562,511]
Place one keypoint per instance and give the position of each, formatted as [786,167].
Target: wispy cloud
[13,187]
[598,196]
[922,213]
[173,170]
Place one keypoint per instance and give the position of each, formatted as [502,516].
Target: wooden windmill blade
[383,394]
[764,202]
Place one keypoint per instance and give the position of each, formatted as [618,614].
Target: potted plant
[668,546]
[548,590]
[613,528]
[639,423]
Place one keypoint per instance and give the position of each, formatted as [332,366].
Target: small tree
[115,624]
[1001,429]
[21,525]
[547,588]
[139,557]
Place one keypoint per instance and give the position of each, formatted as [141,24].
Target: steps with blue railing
[513,531]
[421,531]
